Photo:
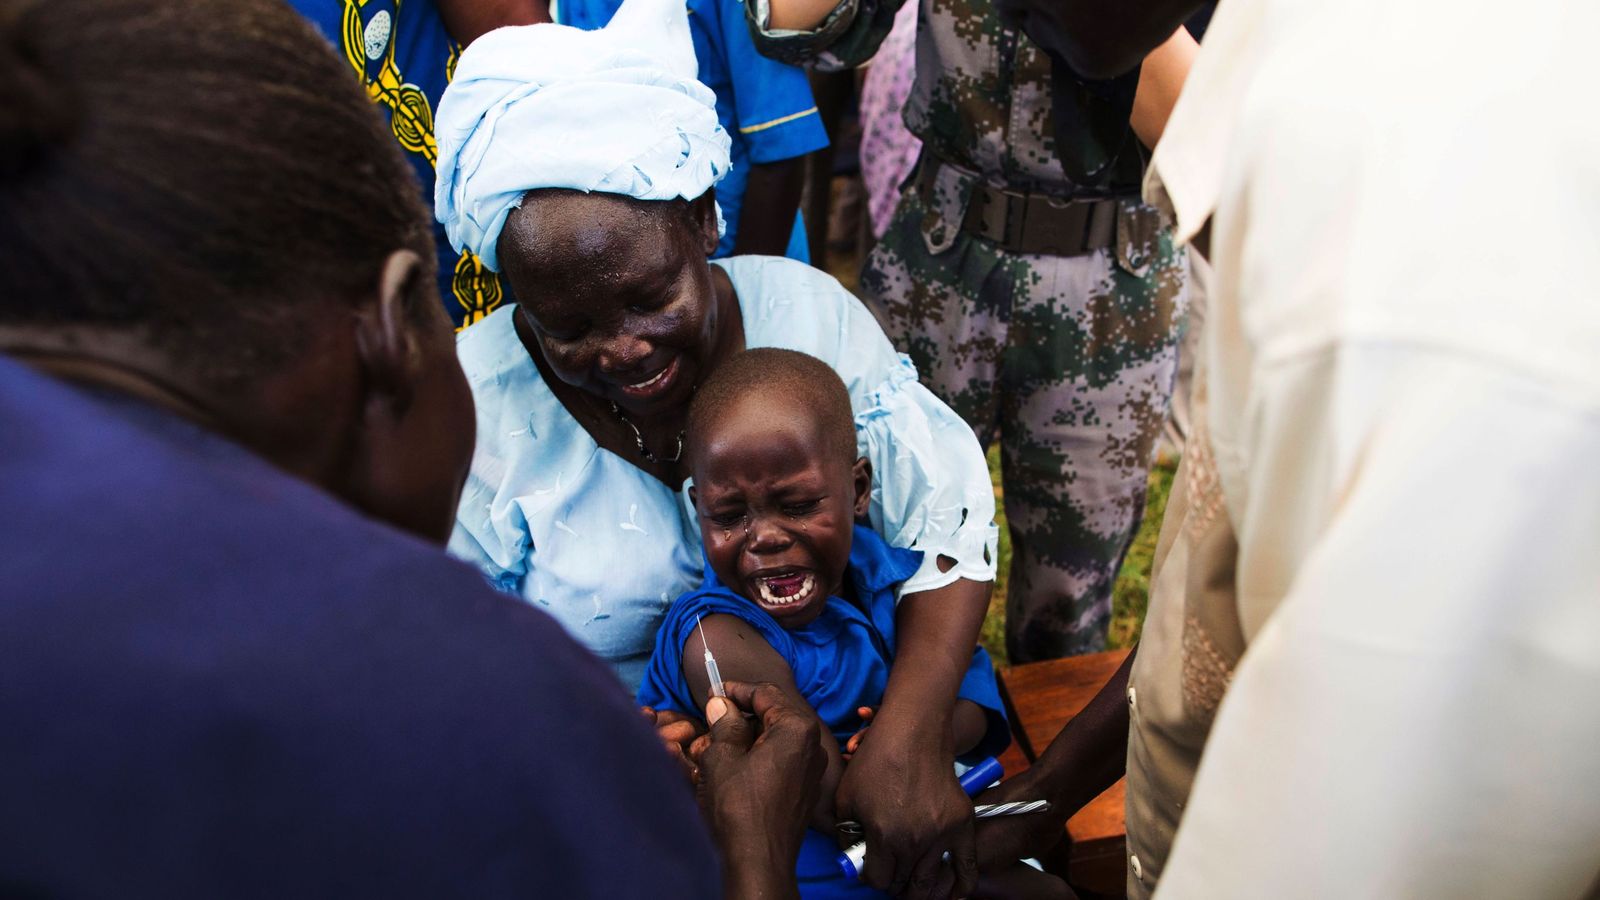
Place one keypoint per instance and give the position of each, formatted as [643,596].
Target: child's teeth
[764,587]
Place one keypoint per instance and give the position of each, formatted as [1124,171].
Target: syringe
[712,672]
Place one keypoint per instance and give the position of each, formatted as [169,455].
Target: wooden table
[1040,698]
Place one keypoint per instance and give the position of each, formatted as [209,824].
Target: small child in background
[797,592]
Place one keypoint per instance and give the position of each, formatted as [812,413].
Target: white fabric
[1404,362]
[604,547]
[619,110]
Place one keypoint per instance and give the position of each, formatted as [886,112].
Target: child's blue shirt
[766,106]
[840,661]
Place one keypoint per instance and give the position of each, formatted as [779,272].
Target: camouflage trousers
[1069,363]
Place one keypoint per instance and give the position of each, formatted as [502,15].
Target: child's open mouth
[786,589]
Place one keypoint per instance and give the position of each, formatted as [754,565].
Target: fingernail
[716,708]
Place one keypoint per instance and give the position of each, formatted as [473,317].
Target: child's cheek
[723,551]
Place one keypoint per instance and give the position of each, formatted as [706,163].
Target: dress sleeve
[930,484]
[774,110]
[664,686]
[846,38]
[497,550]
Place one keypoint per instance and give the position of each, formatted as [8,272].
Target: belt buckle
[1055,226]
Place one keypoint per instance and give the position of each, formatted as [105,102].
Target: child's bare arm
[744,655]
[968,724]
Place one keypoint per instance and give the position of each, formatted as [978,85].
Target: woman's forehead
[589,239]
[575,222]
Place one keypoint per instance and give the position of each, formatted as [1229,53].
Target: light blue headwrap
[547,106]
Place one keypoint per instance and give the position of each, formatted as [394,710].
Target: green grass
[1129,596]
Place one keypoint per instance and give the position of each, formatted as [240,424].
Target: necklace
[529,341]
[638,439]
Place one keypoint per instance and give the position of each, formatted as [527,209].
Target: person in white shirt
[1376,607]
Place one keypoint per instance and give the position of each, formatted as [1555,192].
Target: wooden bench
[1040,698]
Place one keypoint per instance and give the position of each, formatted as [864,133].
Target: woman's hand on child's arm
[759,781]
[968,725]
[900,785]
[742,654]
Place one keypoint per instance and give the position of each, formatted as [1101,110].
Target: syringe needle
[712,672]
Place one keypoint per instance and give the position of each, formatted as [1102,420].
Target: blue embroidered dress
[604,547]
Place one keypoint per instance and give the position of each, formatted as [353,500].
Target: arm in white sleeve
[930,482]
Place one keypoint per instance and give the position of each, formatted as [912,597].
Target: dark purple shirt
[218,681]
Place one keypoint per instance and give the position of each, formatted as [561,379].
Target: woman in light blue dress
[581,164]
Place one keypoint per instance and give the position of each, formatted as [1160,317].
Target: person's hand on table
[1003,840]
[758,783]
[914,812]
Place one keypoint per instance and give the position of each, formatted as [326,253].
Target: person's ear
[704,213]
[386,339]
[861,482]
[406,464]
[694,499]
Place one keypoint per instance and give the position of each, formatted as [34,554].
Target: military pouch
[946,193]
[1138,237]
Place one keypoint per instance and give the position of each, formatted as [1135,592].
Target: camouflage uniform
[1067,360]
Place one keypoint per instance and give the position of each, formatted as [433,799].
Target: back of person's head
[201,208]
[194,174]
[775,377]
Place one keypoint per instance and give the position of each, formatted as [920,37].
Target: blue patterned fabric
[404,58]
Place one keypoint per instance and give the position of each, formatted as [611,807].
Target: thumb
[729,732]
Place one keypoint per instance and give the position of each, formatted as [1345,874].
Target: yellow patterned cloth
[402,55]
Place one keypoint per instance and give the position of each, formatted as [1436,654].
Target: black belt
[1031,223]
